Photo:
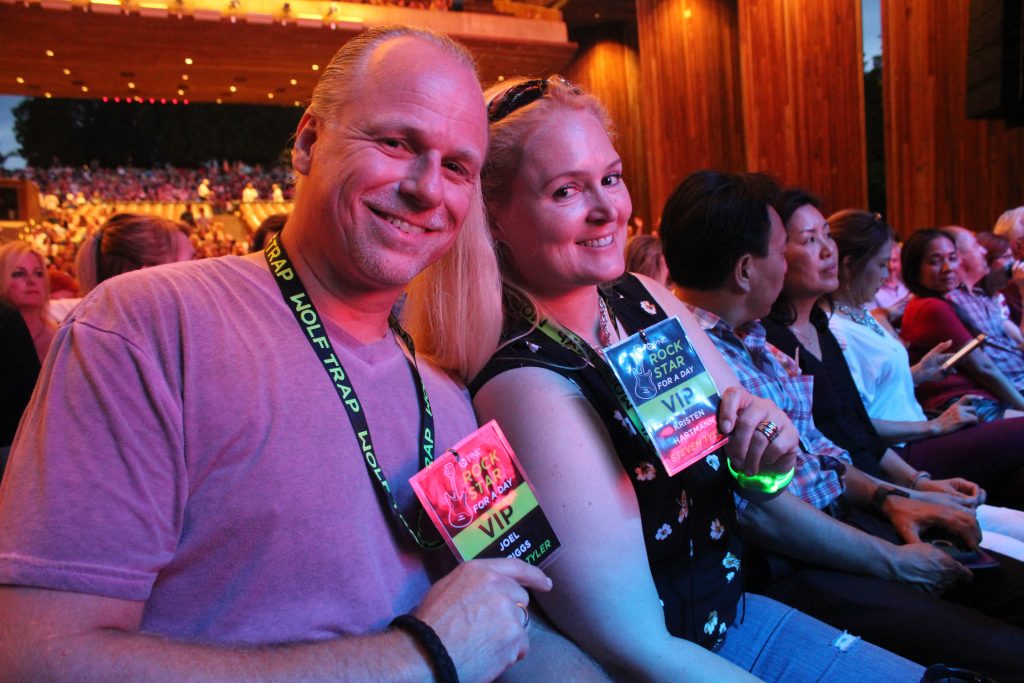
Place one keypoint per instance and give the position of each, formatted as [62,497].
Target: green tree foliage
[75,132]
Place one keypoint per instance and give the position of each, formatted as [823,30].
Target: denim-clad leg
[778,643]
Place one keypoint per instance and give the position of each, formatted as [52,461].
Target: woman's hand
[955,417]
[929,368]
[966,492]
[749,450]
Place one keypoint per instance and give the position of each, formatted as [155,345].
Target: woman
[24,285]
[127,242]
[647,580]
[930,262]
[644,256]
[839,264]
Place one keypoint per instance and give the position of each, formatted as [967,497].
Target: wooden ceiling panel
[106,52]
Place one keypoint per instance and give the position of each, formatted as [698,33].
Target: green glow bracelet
[762,483]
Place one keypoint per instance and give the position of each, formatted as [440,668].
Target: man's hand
[927,567]
[739,414]
[912,517]
[473,610]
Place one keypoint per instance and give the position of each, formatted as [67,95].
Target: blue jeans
[778,643]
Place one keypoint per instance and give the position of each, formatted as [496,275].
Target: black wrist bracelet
[443,665]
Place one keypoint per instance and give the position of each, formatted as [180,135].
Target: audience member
[989,453]
[270,226]
[219,521]
[1010,226]
[648,579]
[644,256]
[893,295]
[931,271]
[24,285]
[841,545]
[980,313]
[799,327]
[250,194]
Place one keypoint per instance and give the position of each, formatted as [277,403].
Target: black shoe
[940,673]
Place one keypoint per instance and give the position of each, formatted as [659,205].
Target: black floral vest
[689,521]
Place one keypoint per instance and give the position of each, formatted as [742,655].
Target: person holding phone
[851,249]
[930,270]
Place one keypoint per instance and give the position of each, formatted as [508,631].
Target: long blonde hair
[11,252]
[454,307]
[455,310]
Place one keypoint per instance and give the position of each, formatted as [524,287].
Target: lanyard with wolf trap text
[298,300]
[569,340]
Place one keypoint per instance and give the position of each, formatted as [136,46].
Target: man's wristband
[442,662]
[761,483]
[883,492]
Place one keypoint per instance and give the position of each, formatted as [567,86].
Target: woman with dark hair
[930,261]
[864,386]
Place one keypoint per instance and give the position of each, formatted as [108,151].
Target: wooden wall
[690,96]
[803,95]
[941,167]
[607,64]
[760,85]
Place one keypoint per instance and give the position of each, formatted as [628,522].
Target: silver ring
[768,428]
[526,614]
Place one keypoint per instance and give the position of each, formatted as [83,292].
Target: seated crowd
[863,521]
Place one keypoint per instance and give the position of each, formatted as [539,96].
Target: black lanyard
[298,300]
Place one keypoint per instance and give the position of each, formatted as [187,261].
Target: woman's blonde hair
[126,242]
[455,309]
[9,254]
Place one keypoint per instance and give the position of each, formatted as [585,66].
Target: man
[188,498]
[981,313]
[250,194]
[724,246]
[1010,226]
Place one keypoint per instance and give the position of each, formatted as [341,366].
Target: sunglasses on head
[522,94]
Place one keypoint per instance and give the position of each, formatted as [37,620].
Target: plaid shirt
[769,373]
[984,315]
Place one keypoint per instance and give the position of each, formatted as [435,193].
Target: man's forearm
[789,526]
[109,655]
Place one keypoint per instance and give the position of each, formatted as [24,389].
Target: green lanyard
[309,320]
[568,339]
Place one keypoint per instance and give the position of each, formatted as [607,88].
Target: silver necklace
[604,333]
[861,316]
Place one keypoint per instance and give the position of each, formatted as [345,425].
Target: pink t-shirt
[186,448]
